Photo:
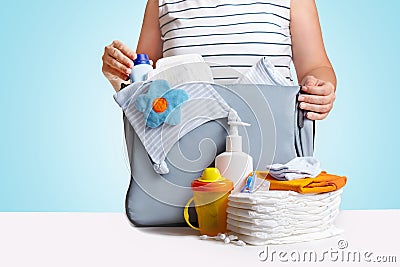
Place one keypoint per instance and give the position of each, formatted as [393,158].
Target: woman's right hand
[117,62]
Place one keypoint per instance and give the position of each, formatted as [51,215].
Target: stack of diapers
[282,217]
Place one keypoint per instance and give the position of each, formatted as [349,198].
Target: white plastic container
[234,164]
[140,69]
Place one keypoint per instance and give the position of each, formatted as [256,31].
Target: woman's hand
[117,62]
[317,98]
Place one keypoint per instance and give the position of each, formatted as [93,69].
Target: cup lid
[211,175]
[212,181]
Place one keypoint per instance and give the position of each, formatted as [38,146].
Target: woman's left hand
[317,98]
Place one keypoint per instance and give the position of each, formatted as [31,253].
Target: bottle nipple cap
[211,175]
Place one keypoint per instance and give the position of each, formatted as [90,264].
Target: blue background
[61,131]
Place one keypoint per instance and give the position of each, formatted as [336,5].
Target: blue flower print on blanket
[161,104]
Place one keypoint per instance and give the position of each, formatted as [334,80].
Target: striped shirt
[231,35]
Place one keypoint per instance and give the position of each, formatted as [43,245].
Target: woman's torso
[235,33]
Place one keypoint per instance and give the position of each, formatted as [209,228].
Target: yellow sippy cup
[210,195]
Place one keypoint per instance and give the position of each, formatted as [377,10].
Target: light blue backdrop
[61,132]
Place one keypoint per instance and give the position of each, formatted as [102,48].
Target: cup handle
[186,214]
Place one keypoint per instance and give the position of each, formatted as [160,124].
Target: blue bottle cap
[141,59]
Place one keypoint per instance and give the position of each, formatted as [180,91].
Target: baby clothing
[231,35]
[263,72]
[322,183]
[299,167]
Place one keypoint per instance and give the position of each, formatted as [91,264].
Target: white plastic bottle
[234,164]
[141,67]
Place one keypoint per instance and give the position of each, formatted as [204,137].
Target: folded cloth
[322,183]
[300,167]
[263,72]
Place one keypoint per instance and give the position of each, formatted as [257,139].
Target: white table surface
[108,239]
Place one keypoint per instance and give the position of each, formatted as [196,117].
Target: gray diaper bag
[278,133]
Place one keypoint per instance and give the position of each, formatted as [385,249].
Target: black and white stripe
[228,33]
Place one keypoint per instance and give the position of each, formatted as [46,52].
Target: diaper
[279,217]
[282,226]
[295,208]
[276,197]
[271,234]
[258,241]
[271,220]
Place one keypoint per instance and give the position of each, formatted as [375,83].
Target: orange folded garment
[323,183]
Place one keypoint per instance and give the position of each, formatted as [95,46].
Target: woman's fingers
[316,116]
[118,55]
[310,81]
[317,99]
[317,90]
[124,49]
[117,60]
[316,108]
[111,72]
[110,61]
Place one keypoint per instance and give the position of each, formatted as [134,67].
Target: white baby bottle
[234,164]
[141,66]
